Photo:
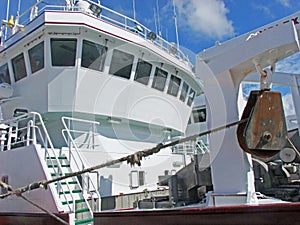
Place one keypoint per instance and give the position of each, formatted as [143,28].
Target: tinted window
[184,91]
[142,72]
[191,97]
[36,57]
[19,68]
[4,74]
[63,51]
[93,55]
[121,64]
[174,85]
[199,115]
[159,80]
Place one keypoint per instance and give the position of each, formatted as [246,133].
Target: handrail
[125,22]
[31,136]
[69,119]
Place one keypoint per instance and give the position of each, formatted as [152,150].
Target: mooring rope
[133,159]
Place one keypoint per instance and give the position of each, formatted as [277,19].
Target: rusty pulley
[265,133]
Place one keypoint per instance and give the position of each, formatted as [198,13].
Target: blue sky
[200,22]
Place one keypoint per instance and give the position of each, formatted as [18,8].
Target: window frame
[59,63]
[140,79]
[116,68]
[174,85]
[95,65]
[156,83]
[184,91]
[5,75]
[37,47]
[15,64]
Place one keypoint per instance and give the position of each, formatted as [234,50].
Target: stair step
[83,210]
[68,192]
[89,220]
[55,166]
[65,183]
[71,201]
[59,157]
[60,174]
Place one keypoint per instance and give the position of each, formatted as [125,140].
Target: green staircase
[69,190]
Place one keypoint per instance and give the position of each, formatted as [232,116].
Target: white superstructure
[82,85]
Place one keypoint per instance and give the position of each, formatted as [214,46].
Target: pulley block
[265,132]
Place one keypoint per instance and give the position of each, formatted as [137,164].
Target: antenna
[7,15]
[176,25]
[133,7]
[158,19]
[155,20]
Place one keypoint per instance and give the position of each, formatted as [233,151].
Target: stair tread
[84,221]
[81,210]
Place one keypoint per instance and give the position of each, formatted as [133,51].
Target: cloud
[288,104]
[289,65]
[205,17]
[285,3]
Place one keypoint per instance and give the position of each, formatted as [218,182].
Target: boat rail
[29,129]
[110,16]
[74,154]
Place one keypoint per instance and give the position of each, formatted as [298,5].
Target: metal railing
[112,17]
[75,156]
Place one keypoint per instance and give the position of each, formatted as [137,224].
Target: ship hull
[287,213]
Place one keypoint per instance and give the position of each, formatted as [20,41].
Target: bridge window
[121,64]
[19,68]
[174,85]
[199,115]
[159,80]
[93,55]
[36,57]
[142,73]
[4,74]
[184,91]
[63,51]
[191,97]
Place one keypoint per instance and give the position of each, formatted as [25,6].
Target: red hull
[264,214]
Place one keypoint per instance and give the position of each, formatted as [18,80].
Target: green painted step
[71,201]
[84,221]
[55,166]
[60,174]
[69,182]
[59,157]
[81,210]
[68,192]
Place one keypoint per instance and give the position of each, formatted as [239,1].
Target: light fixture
[152,36]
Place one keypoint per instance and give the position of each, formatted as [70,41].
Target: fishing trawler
[87,93]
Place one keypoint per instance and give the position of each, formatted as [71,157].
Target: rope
[9,188]
[294,147]
[130,159]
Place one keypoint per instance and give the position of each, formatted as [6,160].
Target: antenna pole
[158,19]
[7,15]
[176,25]
[133,7]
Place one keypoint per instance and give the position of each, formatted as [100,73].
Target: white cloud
[288,104]
[289,65]
[285,3]
[205,17]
